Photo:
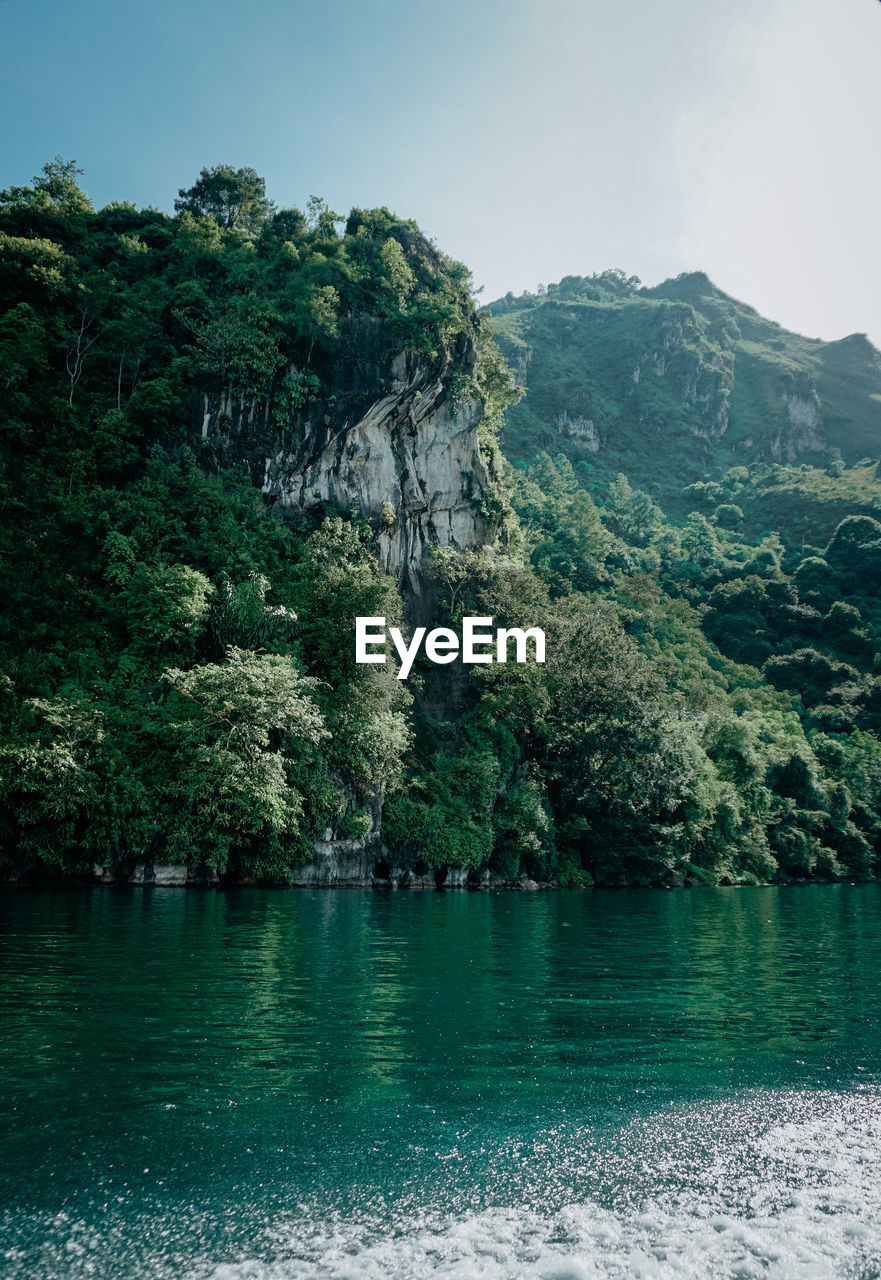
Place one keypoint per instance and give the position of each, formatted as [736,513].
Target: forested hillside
[159,620]
[681,383]
[186,545]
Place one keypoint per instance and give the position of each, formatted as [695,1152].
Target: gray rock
[341,863]
[170,874]
[457,878]
[385,436]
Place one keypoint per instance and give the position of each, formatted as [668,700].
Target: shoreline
[364,862]
[495,884]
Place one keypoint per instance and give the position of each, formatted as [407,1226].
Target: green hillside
[680,383]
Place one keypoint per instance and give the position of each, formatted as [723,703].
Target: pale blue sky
[531,138]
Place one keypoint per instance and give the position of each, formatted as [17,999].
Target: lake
[255,1084]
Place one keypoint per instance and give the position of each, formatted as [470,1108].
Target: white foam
[782,1187]
[798,1200]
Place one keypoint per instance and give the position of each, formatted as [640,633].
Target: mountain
[679,383]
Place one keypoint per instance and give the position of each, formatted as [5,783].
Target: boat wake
[779,1186]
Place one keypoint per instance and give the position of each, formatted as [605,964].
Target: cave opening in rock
[381,870]
[440,876]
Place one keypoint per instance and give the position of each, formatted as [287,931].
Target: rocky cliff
[390,434]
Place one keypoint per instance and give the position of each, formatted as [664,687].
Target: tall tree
[235,197]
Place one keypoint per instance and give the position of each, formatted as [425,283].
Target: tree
[458,574]
[699,540]
[728,516]
[68,785]
[241,616]
[198,241]
[224,742]
[397,275]
[364,706]
[855,549]
[166,606]
[633,512]
[239,347]
[234,197]
[55,188]
[602,713]
[320,218]
[83,336]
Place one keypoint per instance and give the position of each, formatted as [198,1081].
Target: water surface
[262,1085]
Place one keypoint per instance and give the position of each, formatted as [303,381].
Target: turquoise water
[261,1085]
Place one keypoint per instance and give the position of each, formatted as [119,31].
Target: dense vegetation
[710,709]
[173,676]
[172,672]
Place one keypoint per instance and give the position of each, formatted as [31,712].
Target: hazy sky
[531,138]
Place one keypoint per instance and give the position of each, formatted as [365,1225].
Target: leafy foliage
[176,680]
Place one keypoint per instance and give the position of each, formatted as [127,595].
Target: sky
[531,139]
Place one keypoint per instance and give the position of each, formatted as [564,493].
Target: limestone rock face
[387,435]
[579,428]
[161,874]
[169,874]
[339,863]
[458,878]
[367,862]
[360,863]
[802,432]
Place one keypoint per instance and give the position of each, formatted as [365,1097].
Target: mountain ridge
[682,368]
